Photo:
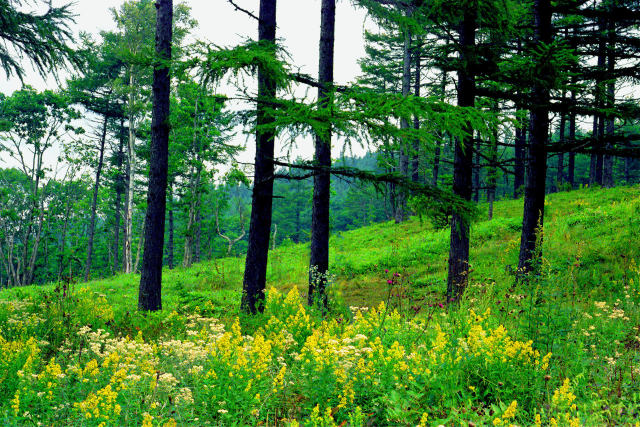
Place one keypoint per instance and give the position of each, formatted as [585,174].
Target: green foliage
[44,39]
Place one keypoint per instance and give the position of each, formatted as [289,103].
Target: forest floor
[560,349]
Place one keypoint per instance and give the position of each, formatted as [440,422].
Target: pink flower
[440,305]
[389,281]
[386,270]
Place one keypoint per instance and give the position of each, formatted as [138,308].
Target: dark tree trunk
[94,202]
[150,294]
[519,168]
[197,245]
[255,272]
[119,191]
[595,170]
[607,173]
[533,216]
[319,263]
[458,273]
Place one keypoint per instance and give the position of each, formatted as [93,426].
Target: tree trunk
[607,173]
[255,273]
[596,165]
[119,191]
[403,161]
[571,167]
[150,295]
[533,216]
[196,248]
[320,217]
[519,168]
[94,202]
[458,273]
[131,160]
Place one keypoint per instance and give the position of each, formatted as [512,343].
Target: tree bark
[596,164]
[320,217]
[255,273]
[533,216]
[150,294]
[607,173]
[131,160]
[119,191]
[403,161]
[94,202]
[458,273]
[519,168]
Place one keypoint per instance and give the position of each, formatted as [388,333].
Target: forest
[204,232]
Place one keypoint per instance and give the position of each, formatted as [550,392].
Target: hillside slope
[562,348]
[593,231]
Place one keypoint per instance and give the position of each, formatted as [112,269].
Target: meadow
[560,349]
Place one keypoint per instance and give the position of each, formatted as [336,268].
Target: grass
[582,308]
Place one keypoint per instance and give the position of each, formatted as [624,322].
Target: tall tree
[255,273]
[463,161]
[94,91]
[533,217]
[150,294]
[319,264]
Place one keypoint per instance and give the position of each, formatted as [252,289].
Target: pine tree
[150,293]
[255,273]
[319,261]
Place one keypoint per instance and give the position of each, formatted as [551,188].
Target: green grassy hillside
[560,349]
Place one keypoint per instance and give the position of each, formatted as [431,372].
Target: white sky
[298,28]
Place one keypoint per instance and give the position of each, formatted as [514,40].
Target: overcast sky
[218,22]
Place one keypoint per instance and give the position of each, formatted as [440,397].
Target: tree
[533,216]
[255,273]
[463,161]
[319,261]
[94,90]
[150,295]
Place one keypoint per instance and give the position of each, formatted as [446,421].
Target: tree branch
[240,9]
